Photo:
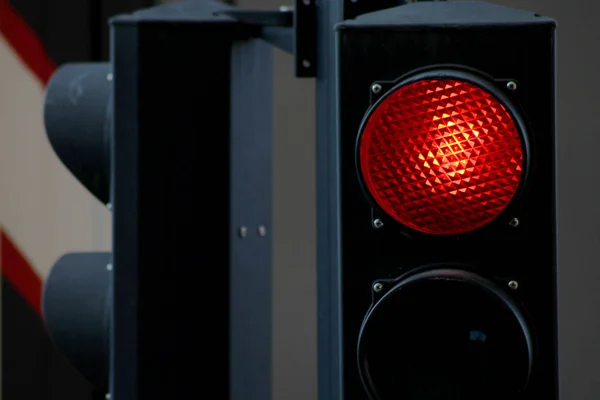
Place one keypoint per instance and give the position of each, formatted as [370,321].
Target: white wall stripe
[43,207]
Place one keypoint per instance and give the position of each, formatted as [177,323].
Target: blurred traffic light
[448,232]
[174,133]
[76,301]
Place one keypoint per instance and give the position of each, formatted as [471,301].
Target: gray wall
[579,192]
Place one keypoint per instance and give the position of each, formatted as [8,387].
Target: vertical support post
[329,290]
[250,226]
[328,207]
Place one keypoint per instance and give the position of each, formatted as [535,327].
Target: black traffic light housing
[191,195]
[184,110]
[442,316]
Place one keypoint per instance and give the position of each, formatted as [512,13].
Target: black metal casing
[191,195]
[499,42]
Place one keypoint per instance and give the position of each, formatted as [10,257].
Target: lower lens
[445,337]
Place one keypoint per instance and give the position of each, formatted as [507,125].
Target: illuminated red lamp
[442,155]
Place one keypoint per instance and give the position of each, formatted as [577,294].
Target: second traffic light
[180,121]
[447,146]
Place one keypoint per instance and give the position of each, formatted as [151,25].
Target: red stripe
[17,270]
[25,42]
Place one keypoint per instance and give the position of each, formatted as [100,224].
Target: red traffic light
[441,155]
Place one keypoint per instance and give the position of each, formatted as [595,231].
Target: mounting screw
[109,206]
[109,77]
[514,285]
[514,222]
[376,88]
[107,397]
[377,223]
[306,2]
[512,86]
[262,231]
[109,267]
[243,231]
[378,287]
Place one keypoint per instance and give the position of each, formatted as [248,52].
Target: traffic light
[77,292]
[437,121]
[174,135]
[448,203]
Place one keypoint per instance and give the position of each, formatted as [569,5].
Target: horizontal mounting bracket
[292,30]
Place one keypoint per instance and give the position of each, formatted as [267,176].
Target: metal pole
[330,387]
[329,291]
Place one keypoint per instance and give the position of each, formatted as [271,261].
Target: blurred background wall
[44,212]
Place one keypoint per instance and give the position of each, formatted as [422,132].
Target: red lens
[441,156]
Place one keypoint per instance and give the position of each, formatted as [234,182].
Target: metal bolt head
[108,396]
[109,267]
[514,222]
[377,223]
[376,88]
[306,63]
[262,231]
[512,85]
[306,2]
[109,206]
[243,231]
[514,285]
[378,287]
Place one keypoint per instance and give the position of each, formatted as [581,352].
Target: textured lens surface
[441,156]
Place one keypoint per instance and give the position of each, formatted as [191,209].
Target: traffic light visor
[442,155]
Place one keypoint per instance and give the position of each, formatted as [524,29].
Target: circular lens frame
[373,332]
[486,84]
